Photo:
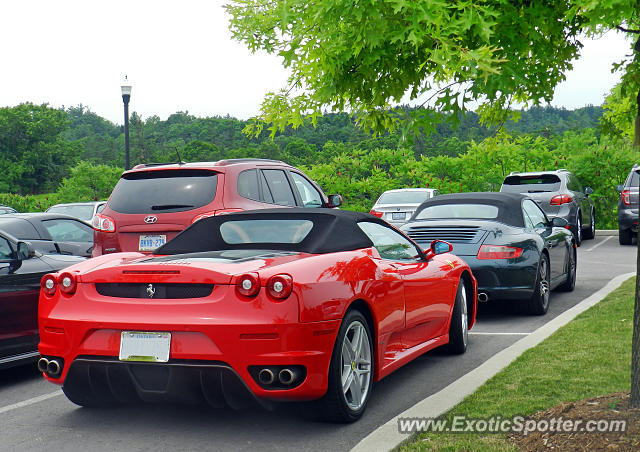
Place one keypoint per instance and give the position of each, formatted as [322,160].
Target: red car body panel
[300,330]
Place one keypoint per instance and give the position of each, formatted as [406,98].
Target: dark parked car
[50,233]
[628,207]
[151,204]
[513,249]
[21,268]
[560,194]
[6,209]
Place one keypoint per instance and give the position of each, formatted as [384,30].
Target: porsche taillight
[280,286]
[48,284]
[561,199]
[248,285]
[498,252]
[68,283]
[625,196]
[103,223]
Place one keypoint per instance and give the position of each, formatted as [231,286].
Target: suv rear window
[531,184]
[632,180]
[164,191]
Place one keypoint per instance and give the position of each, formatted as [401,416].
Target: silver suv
[560,194]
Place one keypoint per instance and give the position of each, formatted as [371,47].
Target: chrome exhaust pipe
[266,376]
[43,363]
[286,376]
[53,368]
[483,297]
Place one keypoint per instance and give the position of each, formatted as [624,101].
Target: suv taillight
[215,213]
[561,199]
[625,195]
[103,223]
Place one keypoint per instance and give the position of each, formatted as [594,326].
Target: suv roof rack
[226,162]
[145,165]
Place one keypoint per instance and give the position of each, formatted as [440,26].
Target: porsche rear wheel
[459,326]
[591,232]
[570,283]
[539,302]
[350,371]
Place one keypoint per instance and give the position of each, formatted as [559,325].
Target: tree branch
[627,30]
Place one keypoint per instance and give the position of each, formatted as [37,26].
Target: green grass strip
[590,356]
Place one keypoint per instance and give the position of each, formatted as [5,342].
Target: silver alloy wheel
[593,224]
[579,230]
[544,283]
[356,365]
[463,310]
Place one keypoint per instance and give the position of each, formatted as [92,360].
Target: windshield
[82,211]
[265,231]
[404,197]
[163,191]
[444,211]
[531,184]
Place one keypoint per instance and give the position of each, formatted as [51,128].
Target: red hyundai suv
[152,203]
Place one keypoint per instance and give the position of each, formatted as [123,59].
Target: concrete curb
[601,232]
[387,436]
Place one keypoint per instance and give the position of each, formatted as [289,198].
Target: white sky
[179,56]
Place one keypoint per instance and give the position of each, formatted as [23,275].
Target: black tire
[539,302]
[459,325]
[335,404]
[625,236]
[578,234]
[572,267]
[591,232]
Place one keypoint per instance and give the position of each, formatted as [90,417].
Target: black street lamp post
[126,95]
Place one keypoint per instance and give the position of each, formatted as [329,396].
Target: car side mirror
[334,201]
[559,222]
[438,247]
[25,251]
[619,188]
[588,191]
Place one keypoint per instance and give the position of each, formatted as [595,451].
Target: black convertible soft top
[509,204]
[332,231]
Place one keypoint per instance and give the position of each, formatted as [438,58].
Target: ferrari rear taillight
[68,283]
[625,196]
[215,213]
[280,286]
[103,223]
[561,199]
[248,285]
[375,213]
[499,252]
[48,284]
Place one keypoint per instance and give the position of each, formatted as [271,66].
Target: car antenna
[180,162]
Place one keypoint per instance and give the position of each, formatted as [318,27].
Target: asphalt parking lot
[34,415]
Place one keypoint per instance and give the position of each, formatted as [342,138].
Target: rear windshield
[164,191]
[265,231]
[531,184]
[445,211]
[407,197]
[632,180]
[84,211]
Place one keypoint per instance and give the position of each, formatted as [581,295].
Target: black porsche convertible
[513,249]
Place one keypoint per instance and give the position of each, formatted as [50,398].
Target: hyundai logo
[150,219]
[151,291]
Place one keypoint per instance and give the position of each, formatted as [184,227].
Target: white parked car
[397,206]
[82,210]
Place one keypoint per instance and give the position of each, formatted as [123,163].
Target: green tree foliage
[33,154]
[88,182]
[364,56]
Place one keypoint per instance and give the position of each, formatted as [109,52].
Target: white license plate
[151,242]
[145,346]
[398,215]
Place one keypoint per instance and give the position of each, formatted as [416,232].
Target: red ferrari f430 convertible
[276,305]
